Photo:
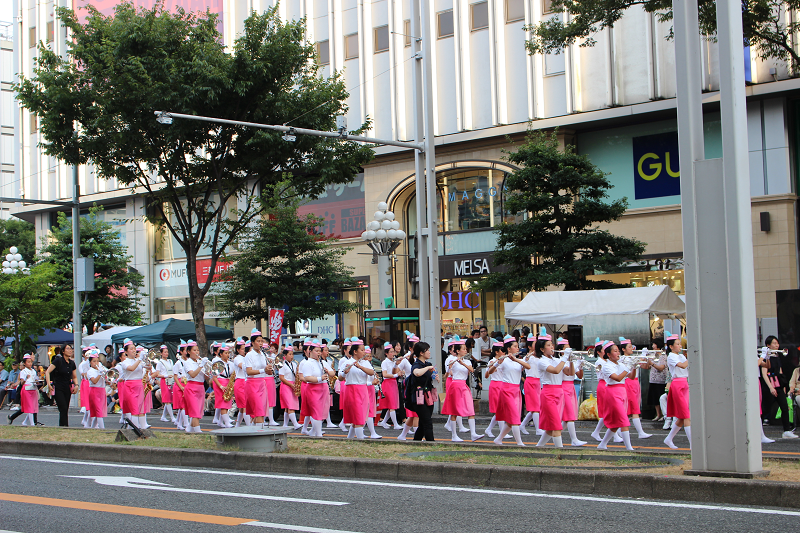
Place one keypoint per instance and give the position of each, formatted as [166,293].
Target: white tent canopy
[571,307]
[101,339]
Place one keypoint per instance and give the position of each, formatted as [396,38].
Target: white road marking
[392,485]
[138,483]
[295,528]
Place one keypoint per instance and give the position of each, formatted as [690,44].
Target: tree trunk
[198,303]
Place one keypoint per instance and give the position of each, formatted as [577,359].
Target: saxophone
[227,394]
[149,359]
[297,386]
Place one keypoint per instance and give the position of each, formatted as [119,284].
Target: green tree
[19,233]
[96,102]
[116,295]
[286,261]
[767,27]
[559,243]
[31,303]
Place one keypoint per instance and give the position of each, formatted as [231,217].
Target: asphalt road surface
[47,495]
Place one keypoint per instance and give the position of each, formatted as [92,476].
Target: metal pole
[76,253]
[384,279]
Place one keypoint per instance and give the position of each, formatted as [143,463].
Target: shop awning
[571,307]
[169,332]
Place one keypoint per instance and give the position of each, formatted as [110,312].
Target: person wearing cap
[390,400]
[178,386]
[194,389]
[678,397]
[83,393]
[492,392]
[601,389]
[552,394]
[461,404]
[240,385]
[357,377]
[314,376]
[343,362]
[258,368]
[134,400]
[372,389]
[29,397]
[508,374]
[98,405]
[634,390]
[147,402]
[164,373]
[61,377]
[272,399]
[220,382]
[288,376]
[305,410]
[328,363]
[616,410]
[532,387]
[447,405]
[121,384]
[570,412]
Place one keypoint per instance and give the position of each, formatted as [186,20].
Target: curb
[618,484]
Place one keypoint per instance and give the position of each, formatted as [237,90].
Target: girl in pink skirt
[372,392]
[240,385]
[194,390]
[165,376]
[634,390]
[133,399]
[601,388]
[678,397]
[97,391]
[29,396]
[507,375]
[220,383]
[258,368]
[389,389]
[288,376]
[532,387]
[616,397]
[343,362]
[552,396]
[179,375]
[568,375]
[315,377]
[357,376]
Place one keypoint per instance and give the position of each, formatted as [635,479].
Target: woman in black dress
[62,373]
[420,398]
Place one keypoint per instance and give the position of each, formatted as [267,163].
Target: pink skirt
[355,404]
[85,393]
[256,397]
[460,399]
[193,396]
[509,402]
[493,397]
[166,393]
[97,402]
[552,397]
[447,406]
[314,397]
[288,399]
[148,403]
[371,403]
[219,400]
[240,393]
[342,388]
[177,397]
[121,394]
[533,387]
[570,412]
[304,408]
[678,399]
[29,400]
[132,399]
[616,407]
[601,396]
[271,394]
[391,395]
[634,390]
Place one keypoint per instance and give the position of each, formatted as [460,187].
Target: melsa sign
[656,168]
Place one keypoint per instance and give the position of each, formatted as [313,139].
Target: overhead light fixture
[164,118]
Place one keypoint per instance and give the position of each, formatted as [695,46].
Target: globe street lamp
[14,263]
[383,236]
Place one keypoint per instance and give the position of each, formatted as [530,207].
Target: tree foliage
[203,180]
[287,262]
[116,295]
[559,243]
[32,303]
[766,26]
[19,233]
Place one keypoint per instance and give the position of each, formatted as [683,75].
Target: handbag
[430,397]
[420,396]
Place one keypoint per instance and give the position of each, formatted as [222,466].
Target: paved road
[782,447]
[41,495]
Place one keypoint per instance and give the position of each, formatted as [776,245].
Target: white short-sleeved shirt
[179,369]
[610,368]
[256,361]
[136,373]
[93,373]
[191,365]
[241,370]
[405,366]
[481,344]
[493,376]
[672,362]
[229,368]
[343,362]
[387,365]
[547,378]
[288,370]
[83,368]
[122,373]
[164,368]
[356,376]
[509,371]
[533,371]
[564,376]
[311,367]
[28,377]
[458,371]
[450,362]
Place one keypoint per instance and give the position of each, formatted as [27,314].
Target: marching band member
[447,406]
[356,404]
[269,381]
[194,389]
[97,391]
[83,369]
[678,398]
[288,376]
[633,389]
[461,399]
[164,374]
[147,404]
[532,387]
[134,390]
[29,395]
[121,384]
[412,418]
[305,413]
[616,397]
[507,372]
[371,393]
[179,385]
[601,388]
[313,374]
[220,383]
[568,374]
[552,393]
[258,368]
[391,393]
[240,385]
[424,376]
[327,363]
[343,362]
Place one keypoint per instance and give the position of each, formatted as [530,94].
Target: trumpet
[774,352]
[208,368]
[576,352]
[634,360]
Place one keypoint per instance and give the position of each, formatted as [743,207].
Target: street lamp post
[14,263]
[383,236]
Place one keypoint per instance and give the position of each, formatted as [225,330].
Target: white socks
[688,431]
[168,409]
[351,431]
[596,432]
[393,415]
[618,435]
[764,439]
[371,427]
[239,418]
[86,422]
[517,436]
[558,442]
[604,443]
[488,431]
[306,423]
[573,437]
[330,423]
[536,422]
[359,433]
[672,432]
[525,421]
[99,424]
[503,432]
[91,423]
[216,416]
[342,426]
[544,440]
[473,435]
[637,423]
[461,427]
[316,428]
[454,433]
[226,421]
[271,419]
[626,438]
[403,433]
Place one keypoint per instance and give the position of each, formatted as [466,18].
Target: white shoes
[578,443]
[644,435]
[789,435]
[523,430]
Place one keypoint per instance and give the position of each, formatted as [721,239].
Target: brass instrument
[576,352]
[207,368]
[775,352]
[218,369]
[297,385]
[111,375]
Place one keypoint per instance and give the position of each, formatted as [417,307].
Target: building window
[479,16]
[547,6]
[381,39]
[351,46]
[32,37]
[445,23]
[50,32]
[323,52]
[407,32]
[515,11]
[554,64]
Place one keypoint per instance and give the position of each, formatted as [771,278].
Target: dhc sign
[656,169]
[454,301]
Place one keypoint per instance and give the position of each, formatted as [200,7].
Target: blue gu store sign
[656,169]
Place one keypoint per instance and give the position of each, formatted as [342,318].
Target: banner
[275,324]
[656,168]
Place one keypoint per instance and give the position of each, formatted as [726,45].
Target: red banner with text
[275,324]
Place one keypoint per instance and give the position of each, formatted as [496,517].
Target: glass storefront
[663,271]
